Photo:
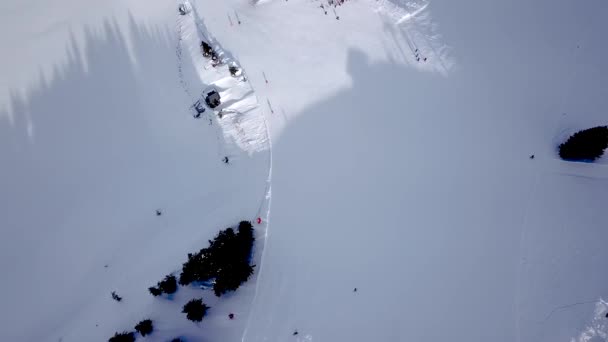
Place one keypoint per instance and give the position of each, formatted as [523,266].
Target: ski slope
[393,144]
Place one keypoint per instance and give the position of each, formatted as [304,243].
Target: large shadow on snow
[417,189]
[82,150]
[407,186]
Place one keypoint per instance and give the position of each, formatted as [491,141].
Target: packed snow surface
[383,144]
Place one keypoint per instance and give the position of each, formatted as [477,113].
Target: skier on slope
[184,9]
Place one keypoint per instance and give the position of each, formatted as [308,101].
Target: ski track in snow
[598,327]
[524,222]
[589,171]
[266,202]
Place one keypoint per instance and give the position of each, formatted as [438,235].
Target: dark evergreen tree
[123,337]
[585,145]
[207,49]
[155,291]
[231,277]
[246,239]
[226,260]
[168,285]
[199,267]
[195,310]
[144,327]
[233,69]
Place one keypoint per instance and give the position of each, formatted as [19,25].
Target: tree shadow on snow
[98,141]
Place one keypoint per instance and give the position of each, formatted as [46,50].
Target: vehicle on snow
[198,108]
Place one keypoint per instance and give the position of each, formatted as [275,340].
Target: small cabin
[212,99]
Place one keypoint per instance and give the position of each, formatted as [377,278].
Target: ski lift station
[212,99]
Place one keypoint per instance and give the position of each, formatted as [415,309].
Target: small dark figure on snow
[606,314]
[231,316]
[183,9]
[355,289]
[158,212]
[226,160]
[295,333]
[234,70]
[531,156]
[116,297]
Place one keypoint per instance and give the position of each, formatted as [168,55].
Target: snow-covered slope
[88,158]
[408,179]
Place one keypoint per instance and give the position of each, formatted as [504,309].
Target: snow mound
[598,328]
[239,115]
